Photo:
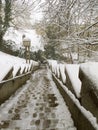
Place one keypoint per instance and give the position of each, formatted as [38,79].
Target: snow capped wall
[73,82]
[68,74]
[83,119]
[53,65]
[89,90]
[62,73]
[4,70]
[8,61]
[90,70]
[58,69]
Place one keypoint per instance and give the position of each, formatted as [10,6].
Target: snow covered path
[38,105]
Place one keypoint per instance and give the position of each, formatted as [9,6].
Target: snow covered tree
[22,13]
[75,21]
[5,18]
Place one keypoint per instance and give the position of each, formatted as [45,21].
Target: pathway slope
[38,105]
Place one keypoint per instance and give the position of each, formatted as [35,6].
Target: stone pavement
[38,105]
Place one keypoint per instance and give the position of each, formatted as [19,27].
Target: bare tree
[70,22]
[21,13]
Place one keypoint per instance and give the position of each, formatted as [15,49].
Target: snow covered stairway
[38,105]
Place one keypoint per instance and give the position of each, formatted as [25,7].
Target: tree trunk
[1,41]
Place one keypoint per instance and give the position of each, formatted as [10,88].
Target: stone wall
[89,95]
[9,74]
[69,83]
[72,81]
[8,87]
[81,121]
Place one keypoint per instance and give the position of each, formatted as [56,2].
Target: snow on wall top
[4,69]
[73,71]
[86,113]
[62,71]
[53,64]
[8,61]
[58,69]
[16,69]
[90,69]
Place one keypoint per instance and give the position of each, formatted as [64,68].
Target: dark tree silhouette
[5,18]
